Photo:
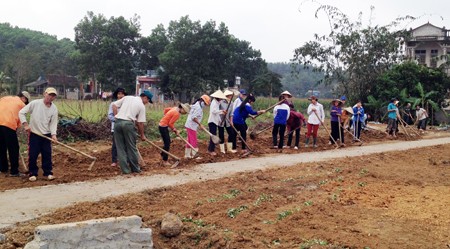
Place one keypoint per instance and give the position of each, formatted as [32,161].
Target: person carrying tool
[240,114]
[119,93]
[358,119]
[226,106]
[193,121]
[280,116]
[316,116]
[43,121]
[392,109]
[237,102]
[286,95]
[171,115]
[335,113]
[294,123]
[214,120]
[9,122]
[129,112]
[421,118]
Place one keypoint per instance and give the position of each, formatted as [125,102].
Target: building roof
[55,80]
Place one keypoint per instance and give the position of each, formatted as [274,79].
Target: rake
[177,159]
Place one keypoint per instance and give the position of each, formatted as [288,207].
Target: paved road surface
[24,204]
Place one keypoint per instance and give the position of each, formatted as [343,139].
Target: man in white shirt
[43,121]
[421,117]
[130,116]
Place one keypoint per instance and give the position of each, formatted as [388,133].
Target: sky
[275,28]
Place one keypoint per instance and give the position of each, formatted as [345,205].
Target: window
[434,58]
[420,56]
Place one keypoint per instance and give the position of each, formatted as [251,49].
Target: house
[149,82]
[429,45]
[67,86]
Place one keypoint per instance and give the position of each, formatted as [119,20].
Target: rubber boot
[307,142]
[187,153]
[230,148]
[315,142]
[222,148]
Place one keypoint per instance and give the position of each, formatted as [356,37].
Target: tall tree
[108,49]
[351,54]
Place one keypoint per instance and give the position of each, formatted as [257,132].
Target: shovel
[168,153]
[255,134]
[329,134]
[357,139]
[70,148]
[190,145]
[242,139]
[215,139]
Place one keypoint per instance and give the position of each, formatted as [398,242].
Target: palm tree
[425,100]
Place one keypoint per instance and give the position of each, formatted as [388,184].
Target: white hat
[349,110]
[185,107]
[228,92]
[27,95]
[286,93]
[51,90]
[218,94]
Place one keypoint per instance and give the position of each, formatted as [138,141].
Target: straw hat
[287,93]
[218,94]
[336,100]
[349,110]
[27,95]
[185,107]
[228,92]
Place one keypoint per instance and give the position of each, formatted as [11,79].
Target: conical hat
[218,94]
[349,110]
[286,93]
[228,92]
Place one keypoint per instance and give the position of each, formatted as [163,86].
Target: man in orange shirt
[171,115]
[9,122]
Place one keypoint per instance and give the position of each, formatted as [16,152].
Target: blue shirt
[239,116]
[281,114]
[393,114]
[360,115]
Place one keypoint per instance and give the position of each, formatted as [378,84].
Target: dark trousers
[39,145]
[230,133]
[213,129]
[335,131]
[166,139]
[125,135]
[9,144]
[242,129]
[297,137]
[278,130]
[113,149]
[357,132]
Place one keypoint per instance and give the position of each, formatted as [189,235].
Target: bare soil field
[398,199]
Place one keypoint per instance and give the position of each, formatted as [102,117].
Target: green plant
[233,212]
[309,243]
[262,198]
[308,203]
[232,193]
[362,184]
[284,214]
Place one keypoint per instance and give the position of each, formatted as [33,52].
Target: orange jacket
[9,109]
[171,115]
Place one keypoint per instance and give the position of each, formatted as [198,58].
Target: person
[43,121]
[358,119]
[237,102]
[193,121]
[316,116]
[345,114]
[171,115]
[421,118]
[240,114]
[118,94]
[226,106]
[129,113]
[335,113]
[294,123]
[407,114]
[392,109]
[9,122]
[280,116]
[214,120]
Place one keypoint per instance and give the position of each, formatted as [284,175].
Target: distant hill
[300,83]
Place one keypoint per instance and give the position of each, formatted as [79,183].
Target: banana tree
[425,100]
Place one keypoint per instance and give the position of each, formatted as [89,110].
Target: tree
[352,55]
[108,49]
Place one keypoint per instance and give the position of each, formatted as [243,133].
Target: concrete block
[119,232]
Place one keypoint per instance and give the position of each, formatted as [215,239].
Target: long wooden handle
[239,134]
[163,150]
[270,107]
[184,140]
[67,146]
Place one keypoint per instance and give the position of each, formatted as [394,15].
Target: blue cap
[242,91]
[343,98]
[148,94]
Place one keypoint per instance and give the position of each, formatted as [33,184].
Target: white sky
[275,28]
